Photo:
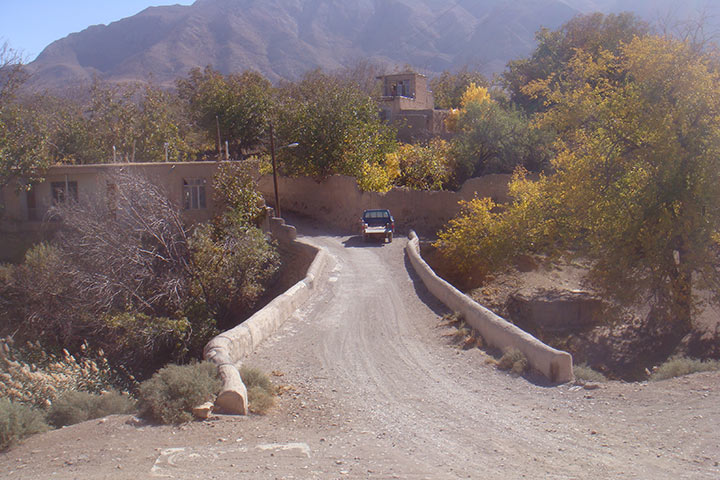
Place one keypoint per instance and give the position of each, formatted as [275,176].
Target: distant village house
[408,104]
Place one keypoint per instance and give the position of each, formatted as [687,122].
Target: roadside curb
[556,365]
[228,349]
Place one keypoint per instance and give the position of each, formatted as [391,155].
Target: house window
[63,191]
[194,193]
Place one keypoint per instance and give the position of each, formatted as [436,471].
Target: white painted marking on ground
[303,447]
[176,462]
[167,458]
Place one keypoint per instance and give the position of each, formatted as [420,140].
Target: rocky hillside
[284,38]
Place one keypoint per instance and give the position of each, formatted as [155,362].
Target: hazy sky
[31,25]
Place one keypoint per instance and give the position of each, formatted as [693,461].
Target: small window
[194,193]
[63,191]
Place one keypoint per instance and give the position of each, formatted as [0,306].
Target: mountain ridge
[282,39]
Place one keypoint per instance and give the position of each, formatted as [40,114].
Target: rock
[134,421]
[203,411]
[554,311]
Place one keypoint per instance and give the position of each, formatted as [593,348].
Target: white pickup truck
[377,223]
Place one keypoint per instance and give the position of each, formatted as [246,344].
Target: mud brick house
[189,184]
[408,104]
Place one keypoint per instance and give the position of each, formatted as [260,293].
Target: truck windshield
[377,214]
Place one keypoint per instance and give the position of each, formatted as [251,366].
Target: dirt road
[374,388]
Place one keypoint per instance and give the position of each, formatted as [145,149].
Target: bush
[586,374]
[143,343]
[170,395]
[230,269]
[514,361]
[679,366]
[261,391]
[236,194]
[76,407]
[17,422]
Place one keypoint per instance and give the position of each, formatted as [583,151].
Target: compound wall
[339,202]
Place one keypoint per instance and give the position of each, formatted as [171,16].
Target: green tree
[22,140]
[111,116]
[69,139]
[239,104]
[422,167]
[492,138]
[236,194]
[635,186]
[161,128]
[336,125]
[592,33]
[448,88]
[231,268]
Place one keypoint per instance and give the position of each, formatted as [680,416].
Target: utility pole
[219,145]
[275,182]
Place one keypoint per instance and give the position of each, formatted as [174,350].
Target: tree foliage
[448,88]
[22,140]
[494,138]
[635,185]
[593,33]
[236,194]
[238,104]
[336,125]
[422,167]
[231,268]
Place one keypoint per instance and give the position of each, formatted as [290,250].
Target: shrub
[513,360]
[76,407]
[17,422]
[230,269]
[586,374]
[170,395]
[261,392]
[236,194]
[679,366]
[141,341]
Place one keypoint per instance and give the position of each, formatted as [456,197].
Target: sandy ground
[373,387]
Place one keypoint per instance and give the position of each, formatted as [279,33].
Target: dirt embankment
[552,301]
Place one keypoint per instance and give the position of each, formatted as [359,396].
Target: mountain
[282,39]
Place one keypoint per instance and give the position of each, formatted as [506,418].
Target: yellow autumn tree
[473,94]
[636,187]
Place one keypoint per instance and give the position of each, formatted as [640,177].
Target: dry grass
[679,366]
[18,421]
[76,407]
[464,336]
[584,373]
[513,360]
[261,391]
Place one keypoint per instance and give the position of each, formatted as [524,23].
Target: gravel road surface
[374,387]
